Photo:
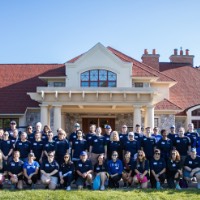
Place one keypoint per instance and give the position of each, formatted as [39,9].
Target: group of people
[96,160]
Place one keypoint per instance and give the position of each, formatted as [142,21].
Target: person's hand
[6,158]
[141,176]
[61,180]
[84,175]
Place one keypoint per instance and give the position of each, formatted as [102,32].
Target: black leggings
[171,179]
[67,180]
[114,181]
[153,180]
[34,179]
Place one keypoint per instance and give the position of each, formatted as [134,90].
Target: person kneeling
[49,172]
[141,168]
[84,171]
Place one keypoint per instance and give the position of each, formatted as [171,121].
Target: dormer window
[98,78]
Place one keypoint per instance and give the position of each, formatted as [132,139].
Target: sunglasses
[29,128]
[140,155]
[51,155]
[66,157]
[114,155]
[173,153]
[12,123]
[124,127]
[157,153]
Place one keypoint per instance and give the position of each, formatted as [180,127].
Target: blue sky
[54,31]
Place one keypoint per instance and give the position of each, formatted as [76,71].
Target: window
[56,84]
[196,112]
[138,85]
[156,122]
[98,78]
[5,122]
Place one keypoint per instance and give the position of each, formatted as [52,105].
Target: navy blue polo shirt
[55,138]
[131,146]
[37,148]
[127,167]
[78,146]
[114,146]
[157,165]
[49,167]
[89,138]
[72,137]
[15,167]
[31,137]
[192,163]
[24,148]
[165,147]
[140,166]
[100,168]
[6,146]
[148,144]
[50,146]
[107,137]
[67,167]
[14,140]
[138,137]
[84,167]
[44,137]
[172,137]
[173,166]
[181,144]
[98,144]
[194,137]
[61,148]
[123,138]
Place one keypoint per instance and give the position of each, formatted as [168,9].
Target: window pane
[59,84]
[85,76]
[111,76]
[93,84]
[112,84]
[94,75]
[84,84]
[102,75]
[103,84]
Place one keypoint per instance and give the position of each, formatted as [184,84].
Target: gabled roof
[186,93]
[18,79]
[166,105]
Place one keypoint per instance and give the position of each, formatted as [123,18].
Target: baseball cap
[172,126]
[193,150]
[131,133]
[77,125]
[107,127]
[13,122]
[83,153]
[31,155]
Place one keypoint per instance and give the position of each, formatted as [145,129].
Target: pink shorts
[144,180]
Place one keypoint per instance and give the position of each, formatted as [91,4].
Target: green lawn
[190,194]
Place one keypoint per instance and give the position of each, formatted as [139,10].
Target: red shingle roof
[166,105]
[18,79]
[186,93]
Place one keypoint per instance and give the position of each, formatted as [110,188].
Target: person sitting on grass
[157,170]
[84,171]
[100,169]
[49,172]
[31,169]
[141,169]
[67,172]
[15,171]
[127,171]
[174,171]
[192,167]
[115,169]
[2,177]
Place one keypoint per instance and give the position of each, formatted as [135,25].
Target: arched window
[98,78]
[196,112]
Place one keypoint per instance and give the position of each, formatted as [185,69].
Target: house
[102,86]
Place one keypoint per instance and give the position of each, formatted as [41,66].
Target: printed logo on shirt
[173,165]
[35,144]
[155,163]
[76,142]
[190,162]
[162,142]
[46,165]
[80,165]
[20,143]
[12,164]
[178,141]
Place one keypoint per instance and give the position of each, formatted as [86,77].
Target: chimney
[151,59]
[187,59]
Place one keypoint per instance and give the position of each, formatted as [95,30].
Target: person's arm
[105,149]
[36,172]
[79,173]
[25,173]
[53,172]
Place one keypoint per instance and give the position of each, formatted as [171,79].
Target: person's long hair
[143,158]
[178,157]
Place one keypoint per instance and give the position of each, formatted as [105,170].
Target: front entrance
[99,122]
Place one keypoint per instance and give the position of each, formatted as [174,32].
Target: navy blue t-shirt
[15,167]
[165,147]
[78,146]
[67,167]
[37,148]
[140,166]
[138,137]
[181,144]
[194,137]
[100,168]
[123,138]
[61,148]
[24,148]
[157,165]
[6,146]
[31,137]
[84,166]
[49,167]
[173,166]
[98,144]
[148,144]
[72,137]
[172,137]
[50,146]
[192,163]
[107,137]
[89,138]
[113,146]
[131,146]
[44,137]
[128,166]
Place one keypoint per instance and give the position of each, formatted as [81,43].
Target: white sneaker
[68,188]
[102,187]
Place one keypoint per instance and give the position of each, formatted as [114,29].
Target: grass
[149,194]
